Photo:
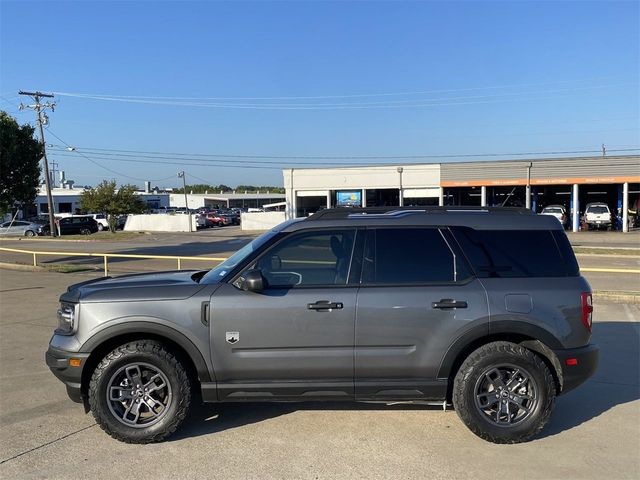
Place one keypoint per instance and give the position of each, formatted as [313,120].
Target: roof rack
[395,212]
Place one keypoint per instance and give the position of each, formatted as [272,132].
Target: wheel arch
[530,336]
[111,337]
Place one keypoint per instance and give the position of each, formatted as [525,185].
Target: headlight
[66,319]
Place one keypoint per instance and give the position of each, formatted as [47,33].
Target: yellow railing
[179,259]
[107,256]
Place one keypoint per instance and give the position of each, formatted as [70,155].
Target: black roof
[483,218]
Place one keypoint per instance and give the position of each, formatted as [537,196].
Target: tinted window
[600,209]
[566,251]
[407,255]
[516,253]
[312,258]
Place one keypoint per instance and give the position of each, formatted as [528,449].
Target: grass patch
[634,252]
[104,236]
[68,268]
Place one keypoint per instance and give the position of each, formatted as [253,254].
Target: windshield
[598,209]
[220,271]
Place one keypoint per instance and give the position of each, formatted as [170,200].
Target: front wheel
[140,392]
[504,393]
[85,231]
[29,233]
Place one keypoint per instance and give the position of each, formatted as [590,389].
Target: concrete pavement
[594,432]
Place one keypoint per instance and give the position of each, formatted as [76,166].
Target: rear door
[295,339]
[417,296]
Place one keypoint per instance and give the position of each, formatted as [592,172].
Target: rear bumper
[578,364]
[58,362]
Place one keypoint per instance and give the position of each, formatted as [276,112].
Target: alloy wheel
[139,395]
[506,395]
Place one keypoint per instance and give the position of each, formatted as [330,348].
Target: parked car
[214,220]
[20,228]
[483,308]
[557,211]
[101,219]
[121,222]
[597,215]
[82,225]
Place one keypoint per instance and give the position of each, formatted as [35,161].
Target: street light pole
[186,200]
[401,197]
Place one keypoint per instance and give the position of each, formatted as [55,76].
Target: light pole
[401,201]
[186,201]
[528,187]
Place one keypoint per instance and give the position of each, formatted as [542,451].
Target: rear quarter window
[517,253]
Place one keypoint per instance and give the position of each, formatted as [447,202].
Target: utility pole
[42,118]
[186,201]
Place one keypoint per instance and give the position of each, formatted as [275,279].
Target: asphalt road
[594,432]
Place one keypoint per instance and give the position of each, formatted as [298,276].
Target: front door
[294,339]
[417,296]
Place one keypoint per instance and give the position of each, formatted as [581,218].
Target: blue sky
[499,77]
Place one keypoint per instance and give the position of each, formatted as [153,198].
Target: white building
[572,182]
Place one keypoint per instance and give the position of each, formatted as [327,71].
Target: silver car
[20,228]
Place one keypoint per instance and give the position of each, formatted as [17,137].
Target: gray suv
[481,308]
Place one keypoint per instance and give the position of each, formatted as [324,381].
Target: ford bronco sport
[483,308]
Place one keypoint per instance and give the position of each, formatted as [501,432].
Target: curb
[21,267]
[629,297]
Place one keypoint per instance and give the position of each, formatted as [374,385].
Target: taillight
[587,310]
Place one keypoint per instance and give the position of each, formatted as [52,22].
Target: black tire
[154,355]
[500,357]
[85,231]
[29,233]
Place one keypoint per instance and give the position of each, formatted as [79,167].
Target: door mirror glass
[252,281]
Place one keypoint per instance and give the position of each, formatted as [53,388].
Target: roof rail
[391,212]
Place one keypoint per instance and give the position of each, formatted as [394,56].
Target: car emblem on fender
[233,337]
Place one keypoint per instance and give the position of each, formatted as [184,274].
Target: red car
[214,220]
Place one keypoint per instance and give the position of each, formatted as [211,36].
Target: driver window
[312,258]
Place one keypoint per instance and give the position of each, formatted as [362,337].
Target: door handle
[323,305]
[449,303]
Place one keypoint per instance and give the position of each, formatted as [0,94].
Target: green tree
[20,155]
[203,188]
[112,201]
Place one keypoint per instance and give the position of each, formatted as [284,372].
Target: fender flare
[156,329]
[512,327]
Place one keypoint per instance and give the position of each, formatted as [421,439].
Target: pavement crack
[47,443]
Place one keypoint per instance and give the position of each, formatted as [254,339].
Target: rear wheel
[85,231]
[504,393]
[140,392]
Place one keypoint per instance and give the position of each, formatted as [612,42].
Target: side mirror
[253,281]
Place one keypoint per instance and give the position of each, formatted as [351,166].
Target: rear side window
[407,255]
[517,253]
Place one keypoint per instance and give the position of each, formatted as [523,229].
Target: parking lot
[594,432]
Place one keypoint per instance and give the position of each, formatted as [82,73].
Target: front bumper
[58,362]
[578,364]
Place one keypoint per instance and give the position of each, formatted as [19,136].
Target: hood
[174,285]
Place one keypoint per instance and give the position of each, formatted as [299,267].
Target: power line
[219,157]
[434,102]
[360,95]
[102,166]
